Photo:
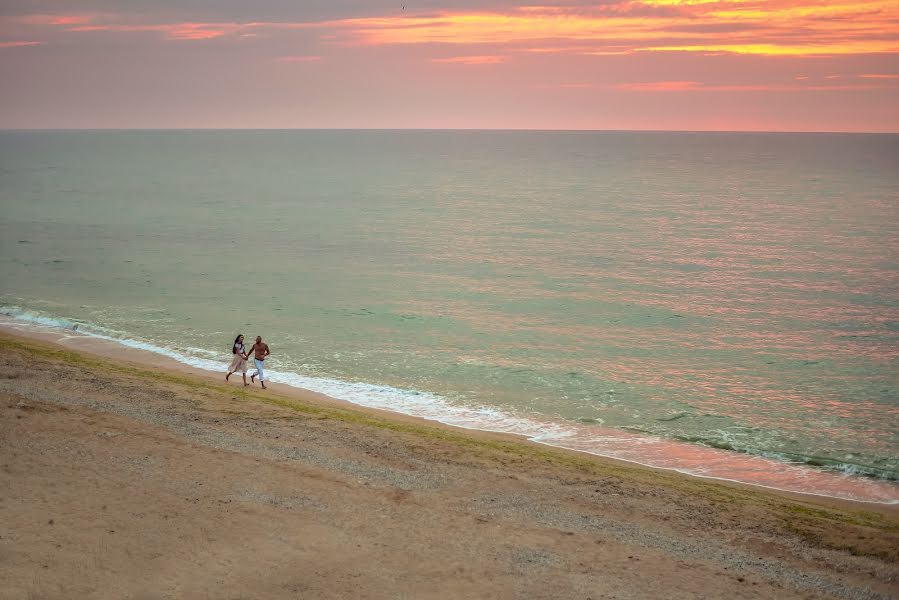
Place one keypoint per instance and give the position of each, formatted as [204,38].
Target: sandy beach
[126,475]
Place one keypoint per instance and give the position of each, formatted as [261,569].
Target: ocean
[721,304]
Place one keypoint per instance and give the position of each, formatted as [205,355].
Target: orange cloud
[803,49]
[763,27]
[492,28]
[757,27]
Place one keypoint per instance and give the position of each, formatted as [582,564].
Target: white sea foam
[37,319]
[692,459]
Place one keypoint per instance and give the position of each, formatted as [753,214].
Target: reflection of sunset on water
[743,315]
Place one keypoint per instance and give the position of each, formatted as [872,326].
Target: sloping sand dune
[126,480]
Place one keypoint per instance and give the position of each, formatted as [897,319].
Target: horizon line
[448,129]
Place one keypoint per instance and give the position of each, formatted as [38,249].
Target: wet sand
[126,475]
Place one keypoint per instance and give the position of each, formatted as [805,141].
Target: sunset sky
[781,65]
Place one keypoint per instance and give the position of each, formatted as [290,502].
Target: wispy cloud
[18,44]
[695,86]
[776,27]
[110,22]
[759,27]
[175,31]
[298,59]
[65,20]
[659,86]
[806,48]
[472,60]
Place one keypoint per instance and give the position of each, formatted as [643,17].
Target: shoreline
[142,359]
[879,492]
[126,479]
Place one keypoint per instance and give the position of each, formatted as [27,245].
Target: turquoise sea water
[604,291]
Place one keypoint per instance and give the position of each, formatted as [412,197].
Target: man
[259,351]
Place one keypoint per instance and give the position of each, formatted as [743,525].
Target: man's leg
[260,365]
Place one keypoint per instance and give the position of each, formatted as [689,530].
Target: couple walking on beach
[259,351]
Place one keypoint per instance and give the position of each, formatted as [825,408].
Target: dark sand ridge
[133,478]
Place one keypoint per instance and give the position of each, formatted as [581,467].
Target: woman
[240,359]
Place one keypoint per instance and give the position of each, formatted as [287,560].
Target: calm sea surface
[722,304]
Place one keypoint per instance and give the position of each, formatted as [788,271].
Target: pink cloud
[295,59]
[659,86]
[71,20]
[39,19]
[175,31]
[18,44]
[103,22]
[695,86]
[471,60]
[199,31]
